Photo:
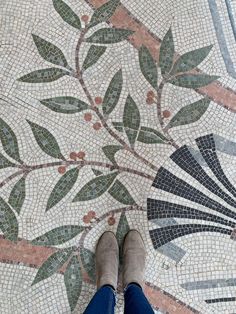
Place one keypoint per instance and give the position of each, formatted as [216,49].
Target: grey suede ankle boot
[134,255]
[107,260]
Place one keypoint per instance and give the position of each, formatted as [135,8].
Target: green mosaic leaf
[9,141]
[52,264]
[96,172]
[46,140]
[58,235]
[191,59]
[4,162]
[110,151]
[73,281]
[104,12]
[88,262]
[122,229]
[109,35]
[121,194]
[112,94]
[167,51]
[43,76]
[8,221]
[119,126]
[131,119]
[17,195]
[190,113]
[193,81]
[148,66]
[63,187]
[65,104]
[93,55]
[95,187]
[50,52]
[150,136]
[67,14]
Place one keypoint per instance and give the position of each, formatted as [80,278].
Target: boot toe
[134,240]
[107,241]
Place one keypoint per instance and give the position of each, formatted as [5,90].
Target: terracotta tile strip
[122,18]
[24,253]
[163,301]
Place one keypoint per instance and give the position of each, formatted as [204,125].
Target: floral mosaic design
[169,69]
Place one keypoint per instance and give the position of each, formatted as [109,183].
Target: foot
[134,255]
[107,260]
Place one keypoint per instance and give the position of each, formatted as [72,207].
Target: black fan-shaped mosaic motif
[216,212]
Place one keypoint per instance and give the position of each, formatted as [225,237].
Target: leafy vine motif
[176,71]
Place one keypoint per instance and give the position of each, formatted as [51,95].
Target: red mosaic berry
[73,155]
[98,100]
[111,221]
[150,94]
[86,219]
[87,116]
[97,126]
[85,18]
[150,100]
[61,169]
[91,214]
[80,155]
[166,113]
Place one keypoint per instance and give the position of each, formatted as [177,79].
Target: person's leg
[107,262]
[103,302]
[135,300]
[134,255]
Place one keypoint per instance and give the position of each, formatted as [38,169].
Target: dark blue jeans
[103,302]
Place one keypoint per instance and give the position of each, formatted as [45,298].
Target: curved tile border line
[231,16]
[221,37]
[123,18]
[33,256]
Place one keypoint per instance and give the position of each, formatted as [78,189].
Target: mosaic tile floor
[117,115]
